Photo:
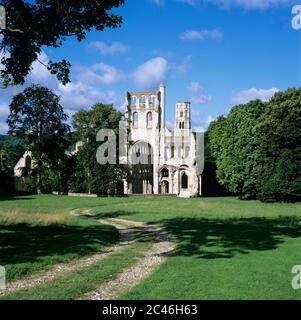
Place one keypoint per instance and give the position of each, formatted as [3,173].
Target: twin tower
[148,105]
[171,170]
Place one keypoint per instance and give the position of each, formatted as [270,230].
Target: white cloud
[190,2]
[201,35]
[100,73]
[3,128]
[4,112]
[181,67]
[158,3]
[151,73]
[161,3]
[105,49]
[199,122]
[197,94]
[169,124]
[252,4]
[226,4]
[80,95]
[39,72]
[245,96]
[163,53]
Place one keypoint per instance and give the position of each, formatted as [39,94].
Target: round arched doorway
[141,158]
[184,181]
[164,187]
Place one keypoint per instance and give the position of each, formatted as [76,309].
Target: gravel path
[126,237]
[164,245]
[129,278]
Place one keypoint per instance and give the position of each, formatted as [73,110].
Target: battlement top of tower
[143,93]
[183,103]
[146,93]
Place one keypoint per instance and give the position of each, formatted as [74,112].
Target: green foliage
[87,123]
[89,175]
[31,25]
[257,148]
[279,136]
[37,117]
[234,147]
[9,155]
[211,187]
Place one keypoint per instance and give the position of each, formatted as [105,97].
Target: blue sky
[214,53]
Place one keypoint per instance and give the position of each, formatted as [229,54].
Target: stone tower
[183,119]
[170,155]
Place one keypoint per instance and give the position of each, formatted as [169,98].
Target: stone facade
[19,180]
[172,169]
[170,166]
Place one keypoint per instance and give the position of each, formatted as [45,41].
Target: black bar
[90,310]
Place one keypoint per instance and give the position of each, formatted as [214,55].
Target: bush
[278,176]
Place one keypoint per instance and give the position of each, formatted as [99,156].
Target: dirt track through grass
[126,237]
[129,278]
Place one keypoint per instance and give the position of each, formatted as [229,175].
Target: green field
[226,248]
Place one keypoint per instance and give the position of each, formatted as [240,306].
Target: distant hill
[12,140]
[4,137]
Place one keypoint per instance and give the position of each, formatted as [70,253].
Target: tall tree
[37,117]
[89,175]
[235,148]
[32,25]
[278,174]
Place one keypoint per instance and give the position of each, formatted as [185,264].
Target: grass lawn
[83,280]
[32,240]
[227,248]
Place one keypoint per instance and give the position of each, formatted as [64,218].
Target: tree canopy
[37,117]
[234,147]
[89,175]
[31,25]
[257,148]
[278,174]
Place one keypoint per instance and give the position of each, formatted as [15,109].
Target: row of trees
[37,118]
[254,151]
[257,148]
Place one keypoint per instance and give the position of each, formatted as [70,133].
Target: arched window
[135,120]
[152,100]
[165,187]
[183,125]
[143,100]
[180,125]
[165,173]
[149,120]
[133,100]
[184,181]
[172,152]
